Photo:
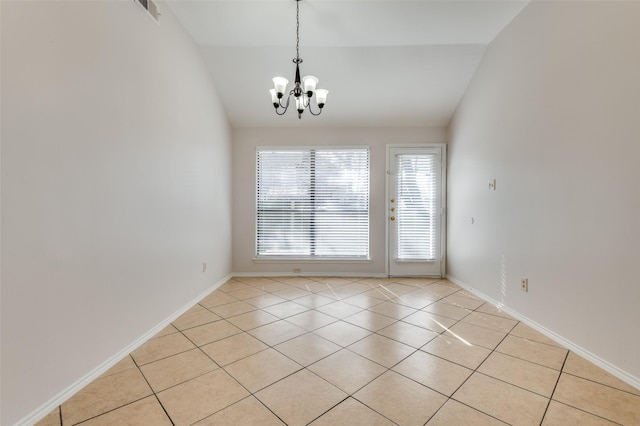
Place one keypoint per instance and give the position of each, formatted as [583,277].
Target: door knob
[392,218]
[393,209]
[393,200]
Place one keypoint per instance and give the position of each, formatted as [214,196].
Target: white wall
[245,142]
[115,164]
[552,114]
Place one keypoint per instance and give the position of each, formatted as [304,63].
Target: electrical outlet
[524,284]
[204,266]
[492,185]
[297,270]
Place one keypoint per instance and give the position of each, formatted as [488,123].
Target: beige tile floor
[335,351]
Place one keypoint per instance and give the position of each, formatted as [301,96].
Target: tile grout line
[163,408]
[475,370]
[600,383]
[495,350]
[250,394]
[373,409]
[265,406]
[517,386]
[583,378]
[113,409]
[589,413]
[466,405]
[155,394]
[123,405]
[555,387]
[253,394]
[326,411]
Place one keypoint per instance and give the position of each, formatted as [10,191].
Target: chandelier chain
[297,29]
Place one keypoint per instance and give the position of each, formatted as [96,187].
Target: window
[417,223]
[312,203]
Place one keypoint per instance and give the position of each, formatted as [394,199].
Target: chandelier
[303,90]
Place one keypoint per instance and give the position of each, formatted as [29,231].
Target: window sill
[307,260]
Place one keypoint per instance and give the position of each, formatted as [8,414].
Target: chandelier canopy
[303,90]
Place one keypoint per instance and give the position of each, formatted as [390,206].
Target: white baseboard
[311,274]
[608,367]
[57,400]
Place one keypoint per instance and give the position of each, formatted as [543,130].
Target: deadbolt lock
[392,218]
[393,209]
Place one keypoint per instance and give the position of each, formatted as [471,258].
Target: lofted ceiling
[384,62]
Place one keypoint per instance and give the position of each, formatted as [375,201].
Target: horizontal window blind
[417,207]
[313,203]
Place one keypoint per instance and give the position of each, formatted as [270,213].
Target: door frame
[443,194]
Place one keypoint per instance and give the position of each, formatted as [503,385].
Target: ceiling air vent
[151,8]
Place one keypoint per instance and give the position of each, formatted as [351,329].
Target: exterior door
[415,210]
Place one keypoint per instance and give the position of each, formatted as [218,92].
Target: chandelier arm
[284,107]
[314,113]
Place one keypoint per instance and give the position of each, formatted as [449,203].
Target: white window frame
[313,259]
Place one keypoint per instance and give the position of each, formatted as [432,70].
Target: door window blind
[417,207]
[313,203]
